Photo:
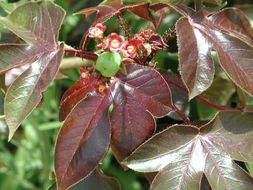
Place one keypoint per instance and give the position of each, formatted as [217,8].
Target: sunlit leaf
[183,153]
[106,10]
[83,140]
[81,89]
[229,33]
[138,97]
[38,24]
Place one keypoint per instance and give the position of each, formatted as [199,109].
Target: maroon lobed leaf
[104,10]
[112,8]
[81,89]
[38,24]
[137,97]
[229,33]
[15,55]
[182,154]
[83,139]
[97,181]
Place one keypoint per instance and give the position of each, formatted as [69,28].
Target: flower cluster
[140,45]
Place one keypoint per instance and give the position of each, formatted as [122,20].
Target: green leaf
[183,153]
[38,24]
[108,63]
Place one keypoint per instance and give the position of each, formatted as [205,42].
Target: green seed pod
[108,63]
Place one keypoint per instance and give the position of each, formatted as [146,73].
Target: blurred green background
[26,162]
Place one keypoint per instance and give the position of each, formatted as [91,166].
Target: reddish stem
[183,116]
[168,35]
[161,17]
[80,53]
[208,102]
[123,25]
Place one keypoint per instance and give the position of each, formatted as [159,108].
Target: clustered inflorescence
[141,45]
[115,49]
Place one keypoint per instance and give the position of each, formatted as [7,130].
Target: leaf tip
[11,134]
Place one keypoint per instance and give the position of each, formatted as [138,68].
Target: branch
[75,62]
[80,53]
[169,34]
[183,116]
[124,27]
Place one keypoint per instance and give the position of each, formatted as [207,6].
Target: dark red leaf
[182,154]
[226,32]
[112,8]
[74,94]
[177,6]
[83,140]
[196,64]
[234,21]
[137,97]
[104,10]
[42,53]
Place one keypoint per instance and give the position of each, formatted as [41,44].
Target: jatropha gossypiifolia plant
[117,99]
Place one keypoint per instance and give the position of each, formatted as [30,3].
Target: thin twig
[201,98]
[123,25]
[161,17]
[183,116]
[75,62]
[169,34]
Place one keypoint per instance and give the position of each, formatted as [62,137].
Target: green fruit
[108,63]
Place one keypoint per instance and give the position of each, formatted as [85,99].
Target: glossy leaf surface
[81,89]
[182,154]
[83,140]
[97,181]
[229,33]
[37,24]
[108,9]
[138,97]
